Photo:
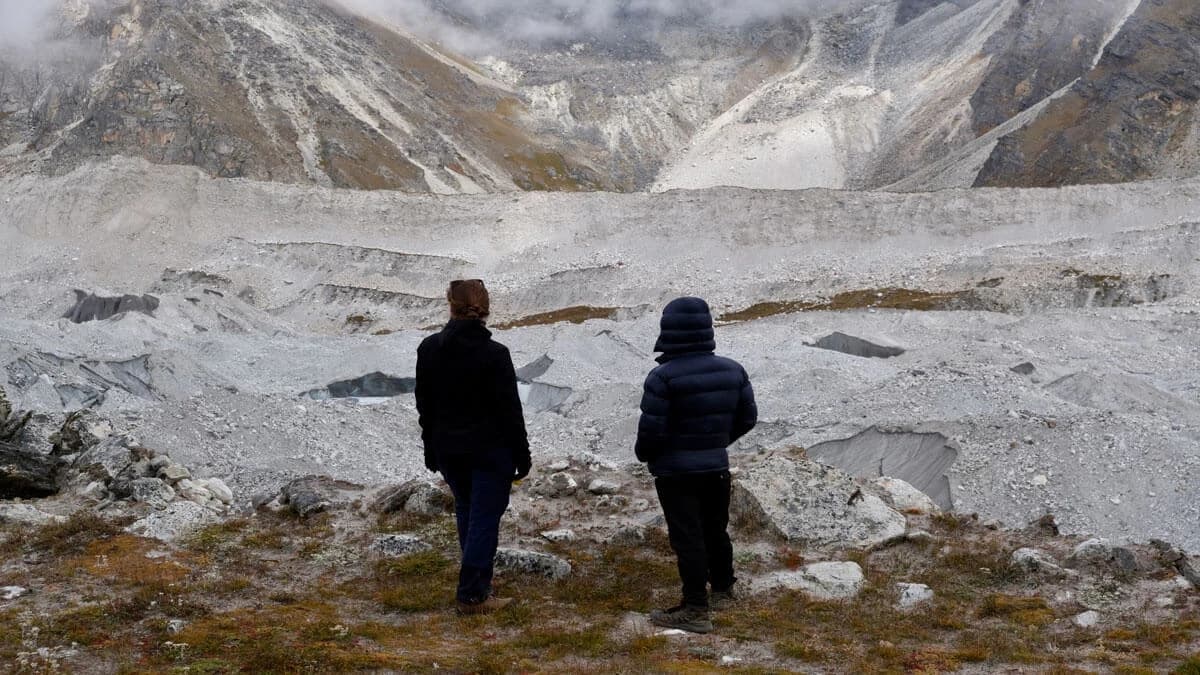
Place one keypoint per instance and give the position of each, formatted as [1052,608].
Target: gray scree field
[1012,352]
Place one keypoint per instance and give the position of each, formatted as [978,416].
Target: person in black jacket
[473,429]
[695,405]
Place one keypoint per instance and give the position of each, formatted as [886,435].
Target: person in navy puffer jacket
[695,405]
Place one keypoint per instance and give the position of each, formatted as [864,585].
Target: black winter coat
[695,404]
[467,399]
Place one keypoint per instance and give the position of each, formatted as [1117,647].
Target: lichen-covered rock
[178,519]
[823,580]
[151,491]
[1037,561]
[82,430]
[559,536]
[532,562]
[812,504]
[399,545]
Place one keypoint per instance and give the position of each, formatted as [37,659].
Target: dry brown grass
[574,315]
[275,609]
[875,298]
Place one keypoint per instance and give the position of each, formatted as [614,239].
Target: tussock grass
[574,315]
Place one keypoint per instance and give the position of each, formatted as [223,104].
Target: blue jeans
[480,500]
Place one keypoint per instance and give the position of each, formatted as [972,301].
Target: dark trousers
[696,507]
[480,500]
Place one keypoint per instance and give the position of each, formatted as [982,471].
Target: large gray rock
[315,494]
[178,519]
[811,504]
[823,581]
[903,497]
[415,496]
[27,475]
[26,514]
[532,562]
[912,595]
[151,491]
[82,431]
[1100,555]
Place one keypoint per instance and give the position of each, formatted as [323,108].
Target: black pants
[696,508]
[480,500]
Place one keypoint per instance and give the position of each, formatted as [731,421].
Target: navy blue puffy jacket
[695,403]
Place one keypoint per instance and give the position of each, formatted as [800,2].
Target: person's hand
[523,469]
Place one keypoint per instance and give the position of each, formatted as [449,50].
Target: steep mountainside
[905,95]
[1134,116]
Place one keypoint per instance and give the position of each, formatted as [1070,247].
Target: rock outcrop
[814,505]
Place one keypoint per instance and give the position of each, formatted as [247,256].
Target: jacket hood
[686,328]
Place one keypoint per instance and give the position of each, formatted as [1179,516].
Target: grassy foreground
[274,594]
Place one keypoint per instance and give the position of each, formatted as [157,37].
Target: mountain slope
[1134,116]
[296,92]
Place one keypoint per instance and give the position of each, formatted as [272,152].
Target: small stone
[10,593]
[728,660]
[992,524]
[1024,368]
[95,490]
[920,537]
[399,545]
[556,467]
[1039,480]
[174,626]
[912,595]
[603,487]
[173,473]
[1164,601]
[559,536]
[1088,619]
[559,484]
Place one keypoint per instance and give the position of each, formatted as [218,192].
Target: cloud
[474,24]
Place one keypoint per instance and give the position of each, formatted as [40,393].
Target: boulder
[10,593]
[1035,560]
[178,519]
[415,496]
[151,491]
[173,472]
[399,545]
[912,595]
[195,492]
[814,505]
[25,514]
[1100,555]
[532,562]
[904,497]
[82,431]
[822,581]
[105,460]
[27,475]
[315,494]
[219,489]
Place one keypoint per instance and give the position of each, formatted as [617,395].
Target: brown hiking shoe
[683,617]
[492,604]
[720,601]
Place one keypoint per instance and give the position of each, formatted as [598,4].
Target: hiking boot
[720,601]
[492,604]
[684,617]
